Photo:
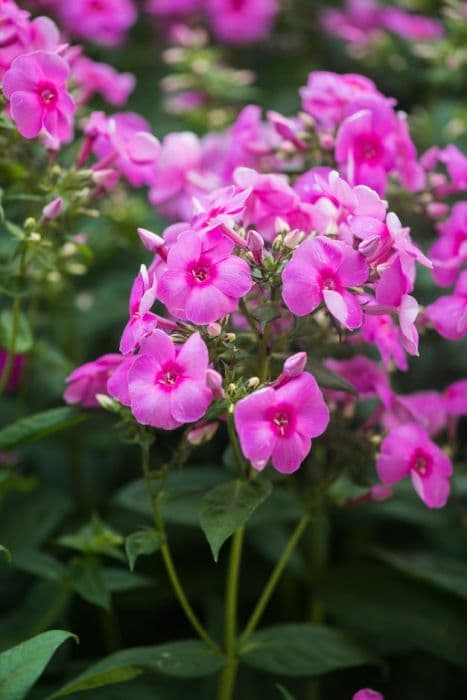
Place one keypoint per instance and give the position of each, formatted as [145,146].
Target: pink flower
[173,7]
[365,148]
[279,423]
[381,331]
[449,314]
[356,23]
[167,384]
[408,451]
[449,253]
[367,694]
[90,379]
[38,101]
[411,26]
[220,208]
[17,369]
[142,321]
[365,375]
[241,21]
[247,143]
[455,398]
[427,408]
[99,78]
[103,21]
[320,271]
[203,281]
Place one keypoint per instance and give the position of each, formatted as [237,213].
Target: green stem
[5,376]
[229,673]
[168,561]
[249,318]
[273,580]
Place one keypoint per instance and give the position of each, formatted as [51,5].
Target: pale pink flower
[368,378]
[38,101]
[427,408]
[357,23]
[408,451]
[203,281]
[321,270]
[279,423]
[103,21]
[411,26]
[167,383]
[381,331]
[241,21]
[90,379]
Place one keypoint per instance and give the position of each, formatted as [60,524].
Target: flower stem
[273,580]
[168,561]
[5,376]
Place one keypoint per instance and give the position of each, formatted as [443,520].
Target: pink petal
[207,304]
[353,270]
[159,348]
[301,288]
[173,291]
[186,250]
[304,393]
[345,307]
[234,277]
[433,489]
[194,357]
[26,111]
[289,453]
[189,401]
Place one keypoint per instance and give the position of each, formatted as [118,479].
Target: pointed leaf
[87,580]
[20,341]
[22,665]
[330,380]
[5,552]
[142,542]
[227,507]
[38,426]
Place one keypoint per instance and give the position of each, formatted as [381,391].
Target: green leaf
[121,580]
[284,692]
[185,659]
[22,340]
[227,507]
[22,665]
[266,313]
[5,552]
[38,426]
[87,579]
[302,650]
[96,537]
[39,564]
[142,542]
[328,379]
[444,572]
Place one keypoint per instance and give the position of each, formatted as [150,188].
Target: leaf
[266,313]
[328,379]
[302,650]
[87,579]
[22,340]
[284,692]
[96,537]
[142,542]
[22,665]
[38,426]
[227,507]
[184,659]
[39,564]
[121,580]
[444,572]
[5,552]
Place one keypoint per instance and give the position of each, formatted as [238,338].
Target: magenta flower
[91,379]
[241,21]
[203,281]
[367,694]
[167,384]
[381,331]
[279,423]
[142,321]
[449,253]
[320,270]
[103,21]
[455,398]
[38,101]
[448,314]
[173,7]
[411,26]
[408,451]
[99,78]
[17,369]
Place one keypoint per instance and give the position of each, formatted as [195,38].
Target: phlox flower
[246,143]
[449,252]
[203,280]
[90,379]
[38,101]
[167,383]
[100,78]
[408,451]
[411,26]
[367,694]
[427,408]
[279,423]
[381,331]
[142,320]
[448,314]
[241,21]
[368,378]
[321,270]
[455,398]
[105,21]
[222,207]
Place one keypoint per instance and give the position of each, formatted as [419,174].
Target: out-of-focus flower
[90,379]
[241,21]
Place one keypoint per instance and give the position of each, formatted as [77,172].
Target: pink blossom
[411,26]
[203,281]
[167,384]
[53,209]
[142,321]
[100,78]
[103,21]
[455,398]
[17,369]
[365,375]
[411,173]
[427,408]
[321,270]
[279,423]
[241,21]
[220,208]
[90,379]
[356,23]
[448,314]
[248,142]
[327,96]
[408,451]
[117,383]
[173,7]
[381,331]
[38,101]
[449,253]
[367,694]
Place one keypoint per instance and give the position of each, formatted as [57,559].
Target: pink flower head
[408,451]
[326,96]
[448,314]
[449,253]
[90,379]
[16,372]
[427,408]
[365,148]
[38,101]
[381,331]
[279,423]
[142,321]
[203,281]
[455,398]
[367,694]
[411,26]
[167,384]
[320,270]
[241,21]
[356,23]
[411,173]
[103,21]
[173,7]
[221,207]
[100,78]
[365,375]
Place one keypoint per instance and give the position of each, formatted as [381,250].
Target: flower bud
[369,246]
[295,364]
[229,337]
[214,382]
[255,243]
[151,241]
[202,433]
[281,226]
[293,238]
[108,403]
[214,330]
[253,382]
[106,178]
[53,209]
[437,209]
[326,141]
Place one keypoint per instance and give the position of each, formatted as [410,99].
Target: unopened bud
[369,246]
[293,238]
[278,242]
[214,382]
[105,178]
[253,382]
[30,223]
[437,209]
[151,241]
[68,249]
[295,364]
[326,141]
[281,226]
[214,330]
[229,337]
[232,388]
[202,434]
[53,209]
[34,237]
[255,243]
[108,403]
